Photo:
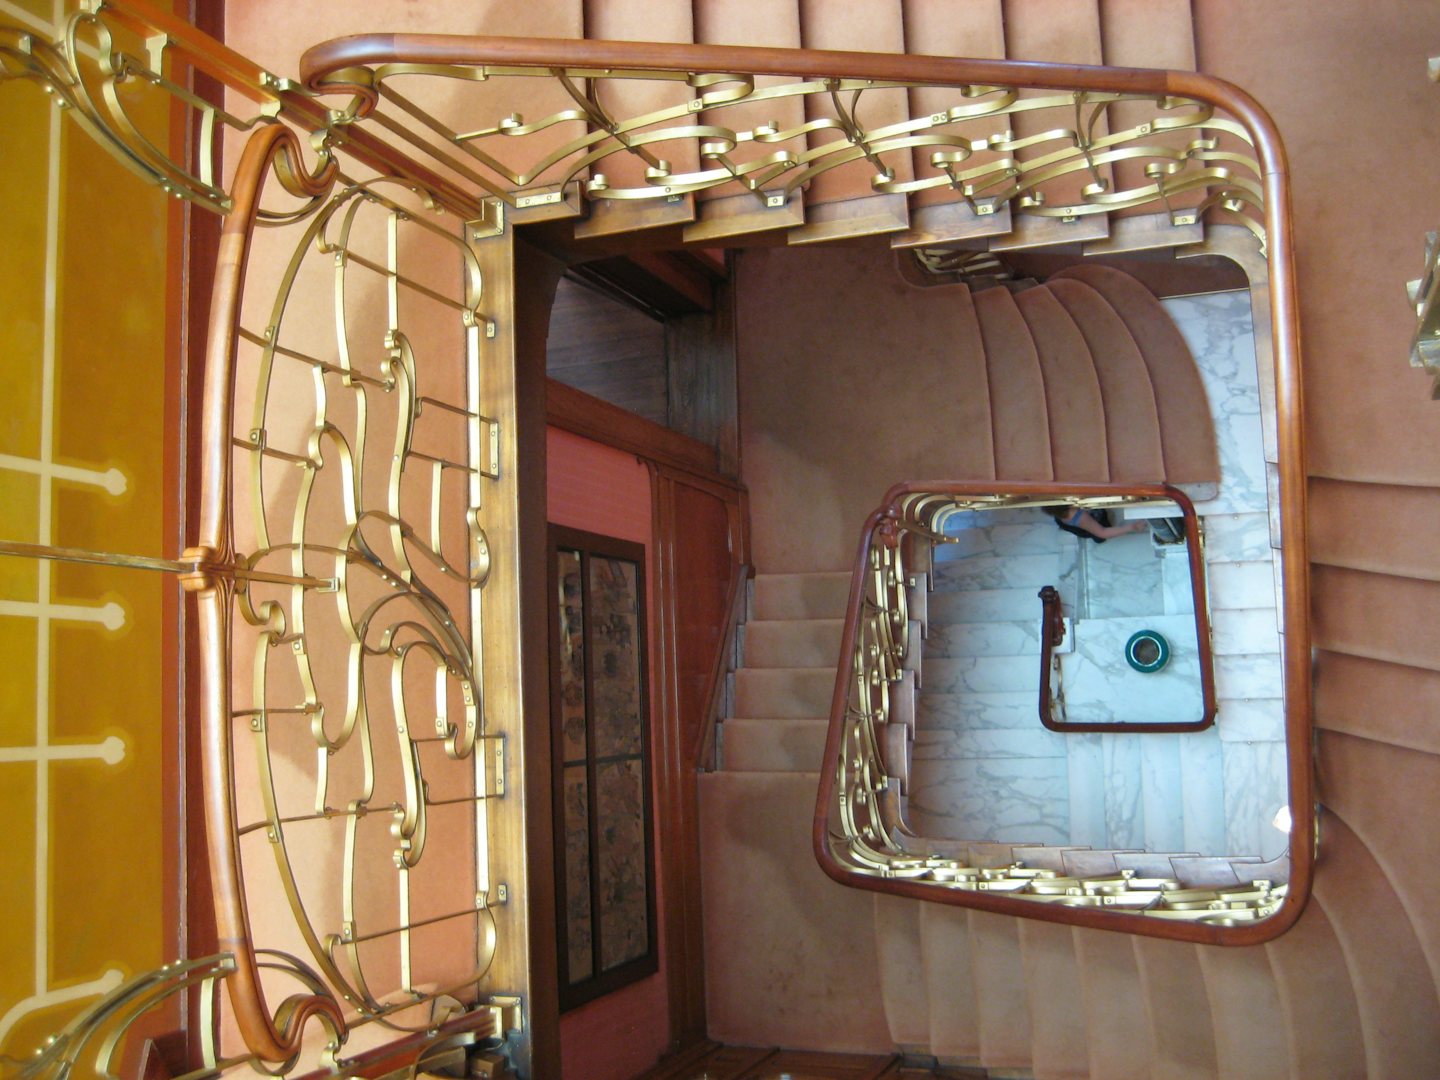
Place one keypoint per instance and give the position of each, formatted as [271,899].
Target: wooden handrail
[886,524]
[1052,632]
[704,753]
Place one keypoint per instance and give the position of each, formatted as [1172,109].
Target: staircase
[1351,990]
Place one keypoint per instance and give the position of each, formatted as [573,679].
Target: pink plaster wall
[602,490]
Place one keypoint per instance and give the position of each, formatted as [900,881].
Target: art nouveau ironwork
[863,833]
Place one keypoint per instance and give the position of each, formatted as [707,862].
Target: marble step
[983,605]
[772,643]
[1241,584]
[1007,571]
[1240,537]
[1004,709]
[1011,637]
[1239,632]
[800,596]
[787,744]
[786,693]
[980,674]
[1037,537]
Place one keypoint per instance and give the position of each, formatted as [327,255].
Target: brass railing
[863,836]
[490,133]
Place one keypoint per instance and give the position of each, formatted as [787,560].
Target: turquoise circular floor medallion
[1147,651]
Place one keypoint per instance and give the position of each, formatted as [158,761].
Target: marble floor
[984,766]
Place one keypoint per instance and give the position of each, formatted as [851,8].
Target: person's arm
[1089,523]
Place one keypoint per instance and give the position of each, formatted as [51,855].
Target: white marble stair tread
[972,674]
[996,709]
[1240,632]
[1251,675]
[983,605]
[786,744]
[1241,537]
[771,643]
[800,596]
[1007,637]
[997,572]
[1251,719]
[758,872]
[1037,537]
[1241,584]
[988,744]
[784,692]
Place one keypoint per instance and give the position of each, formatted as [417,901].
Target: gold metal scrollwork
[101,86]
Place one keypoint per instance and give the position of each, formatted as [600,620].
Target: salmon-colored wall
[602,490]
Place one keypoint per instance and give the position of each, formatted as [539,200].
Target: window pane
[572,656]
[615,632]
[624,913]
[577,874]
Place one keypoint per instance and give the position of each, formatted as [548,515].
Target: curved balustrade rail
[862,835]
[395,107]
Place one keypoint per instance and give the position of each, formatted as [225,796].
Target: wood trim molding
[586,415]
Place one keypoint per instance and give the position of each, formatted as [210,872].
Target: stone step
[771,643]
[800,596]
[1235,585]
[786,693]
[983,605]
[981,674]
[1005,709]
[786,744]
[1009,538]
[1011,637]
[997,572]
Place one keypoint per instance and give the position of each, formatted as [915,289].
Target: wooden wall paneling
[520,285]
[608,348]
[695,522]
[586,415]
[700,367]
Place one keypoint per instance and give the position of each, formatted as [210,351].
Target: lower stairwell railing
[862,833]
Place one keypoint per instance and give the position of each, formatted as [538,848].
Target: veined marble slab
[1086,768]
[1101,687]
[1237,537]
[1019,709]
[1202,793]
[998,572]
[1034,533]
[984,605]
[1123,576]
[1124,810]
[1218,330]
[1254,676]
[953,675]
[1251,720]
[1242,632]
[1242,584]
[1010,800]
[957,743]
[1255,788]
[1016,637]
[1161,781]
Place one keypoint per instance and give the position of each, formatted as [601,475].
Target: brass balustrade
[358,134]
[862,836]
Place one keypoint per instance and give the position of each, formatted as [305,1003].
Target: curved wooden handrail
[704,752]
[326,64]
[1052,631]
[214,597]
[885,523]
